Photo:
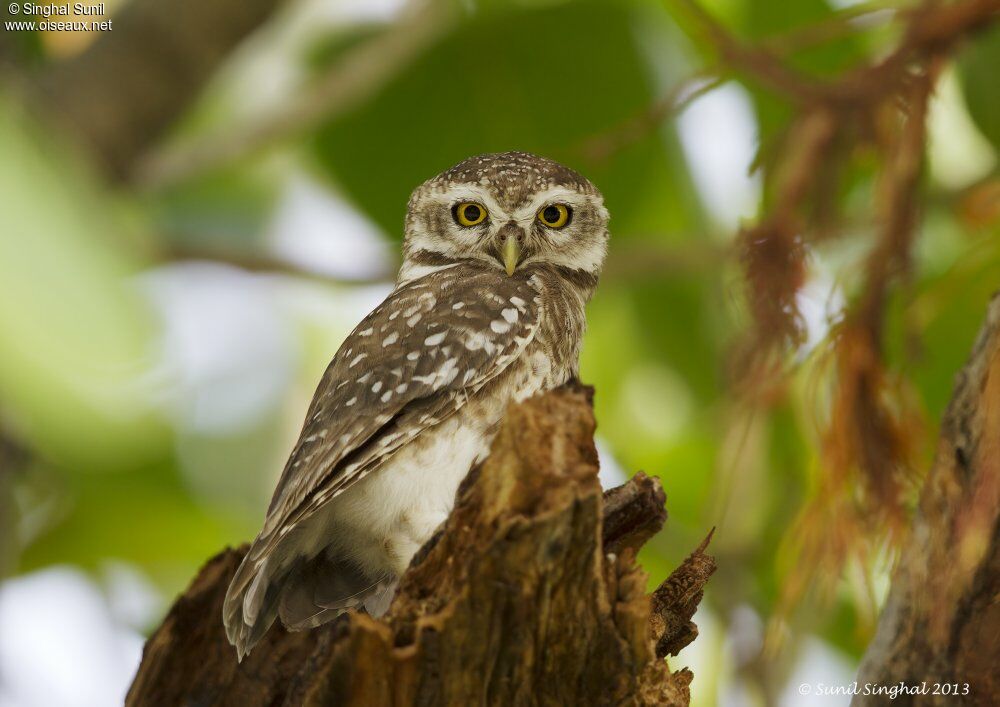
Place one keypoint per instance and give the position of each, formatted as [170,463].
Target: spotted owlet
[500,255]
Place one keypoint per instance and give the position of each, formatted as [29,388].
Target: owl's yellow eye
[468,213]
[554,215]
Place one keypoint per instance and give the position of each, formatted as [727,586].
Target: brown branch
[843,22]
[676,600]
[834,120]
[869,440]
[633,513]
[754,62]
[625,264]
[529,594]
[681,95]
[936,27]
[132,83]
[602,146]
[263,263]
[941,622]
[356,76]
[873,428]
[931,28]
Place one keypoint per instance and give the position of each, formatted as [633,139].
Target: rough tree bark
[529,594]
[941,623]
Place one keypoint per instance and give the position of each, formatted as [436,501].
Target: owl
[500,255]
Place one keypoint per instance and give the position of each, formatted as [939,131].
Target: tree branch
[361,72]
[941,622]
[132,83]
[529,593]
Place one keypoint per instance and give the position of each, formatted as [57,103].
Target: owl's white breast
[382,520]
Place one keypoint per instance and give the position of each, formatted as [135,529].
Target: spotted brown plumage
[481,315]
[409,365]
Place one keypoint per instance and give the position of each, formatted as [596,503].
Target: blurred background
[199,203]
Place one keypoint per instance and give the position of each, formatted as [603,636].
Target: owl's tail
[250,606]
[305,593]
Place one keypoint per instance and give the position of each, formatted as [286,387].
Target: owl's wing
[409,365]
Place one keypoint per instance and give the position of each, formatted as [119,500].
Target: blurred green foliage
[513,80]
[977,68]
[108,475]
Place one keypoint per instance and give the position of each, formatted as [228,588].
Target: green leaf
[541,80]
[776,21]
[977,70]
[223,211]
[25,45]
[76,336]
[144,516]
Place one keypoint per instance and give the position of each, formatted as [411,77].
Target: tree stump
[528,594]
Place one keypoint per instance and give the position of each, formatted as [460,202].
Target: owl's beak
[511,236]
[511,254]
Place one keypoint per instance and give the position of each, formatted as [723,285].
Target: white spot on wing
[391,339]
[446,374]
[510,314]
[479,340]
[434,339]
[499,327]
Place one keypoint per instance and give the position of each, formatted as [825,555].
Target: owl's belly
[382,520]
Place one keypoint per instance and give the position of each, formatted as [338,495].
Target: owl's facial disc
[508,211]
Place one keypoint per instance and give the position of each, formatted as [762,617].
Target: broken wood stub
[530,594]
[676,600]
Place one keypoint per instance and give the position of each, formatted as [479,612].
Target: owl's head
[508,210]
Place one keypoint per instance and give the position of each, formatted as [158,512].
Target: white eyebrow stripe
[473,192]
[559,194]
